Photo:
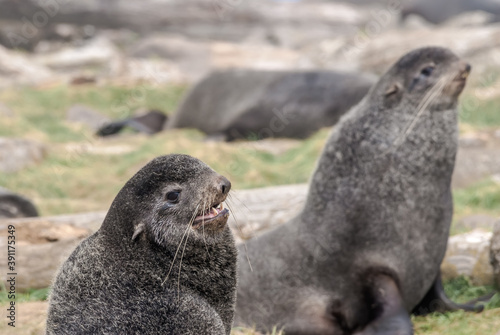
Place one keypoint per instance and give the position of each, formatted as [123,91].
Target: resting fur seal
[13,205]
[241,104]
[369,242]
[149,123]
[163,261]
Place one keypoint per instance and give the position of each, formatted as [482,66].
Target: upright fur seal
[163,261]
[368,244]
[241,104]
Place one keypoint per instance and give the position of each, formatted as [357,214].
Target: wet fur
[117,281]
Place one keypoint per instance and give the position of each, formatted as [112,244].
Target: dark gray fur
[241,104]
[438,11]
[115,282]
[379,206]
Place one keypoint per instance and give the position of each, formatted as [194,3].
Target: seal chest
[163,261]
[368,245]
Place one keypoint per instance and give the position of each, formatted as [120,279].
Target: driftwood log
[42,244]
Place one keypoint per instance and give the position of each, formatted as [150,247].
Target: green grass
[483,197]
[30,295]
[42,112]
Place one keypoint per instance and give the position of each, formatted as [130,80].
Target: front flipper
[390,315]
[436,301]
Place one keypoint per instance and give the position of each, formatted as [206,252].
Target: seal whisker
[430,96]
[231,195]
[180,262]
[203,232]
[180,244]
[241,234]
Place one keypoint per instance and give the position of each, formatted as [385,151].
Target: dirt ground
[30,319]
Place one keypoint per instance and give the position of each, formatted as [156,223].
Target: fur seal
[368,245]
[13,205]
[149,123]
[163,261]
[240,104]
[438,12]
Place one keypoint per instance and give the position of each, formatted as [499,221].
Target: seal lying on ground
[242,104]
[164,260]
[149,123]
[369,242]
[13,205]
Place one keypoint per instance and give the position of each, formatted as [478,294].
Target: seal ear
[138,230]
[393,95]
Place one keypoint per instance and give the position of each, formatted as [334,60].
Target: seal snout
[463,71]
[215,211]
[224,185]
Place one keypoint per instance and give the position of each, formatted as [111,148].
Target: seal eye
[427,71]
[173,196]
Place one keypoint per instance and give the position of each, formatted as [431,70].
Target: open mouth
[210,214]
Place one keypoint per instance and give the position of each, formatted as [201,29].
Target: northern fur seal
[241,104]
[149,123]
[163,261]
[13,205]
[368,244]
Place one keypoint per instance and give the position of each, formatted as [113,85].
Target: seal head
[163,261]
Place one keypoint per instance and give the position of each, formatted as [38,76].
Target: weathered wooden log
[42,244]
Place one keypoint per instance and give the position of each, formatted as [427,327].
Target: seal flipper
[436,301]
[390,314]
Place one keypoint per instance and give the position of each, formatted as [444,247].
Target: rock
[439,11]
[87,116]
[192,58]
[472,222]
[471,141]
[474,18]
[136,71]
[227,55]
[18,69]
[468,255]
[96,52]
[495,253]
[15,206]
[16,154]
[376,51]
[218,20]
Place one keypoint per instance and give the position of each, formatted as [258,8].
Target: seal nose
[224,185]
[465,68]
